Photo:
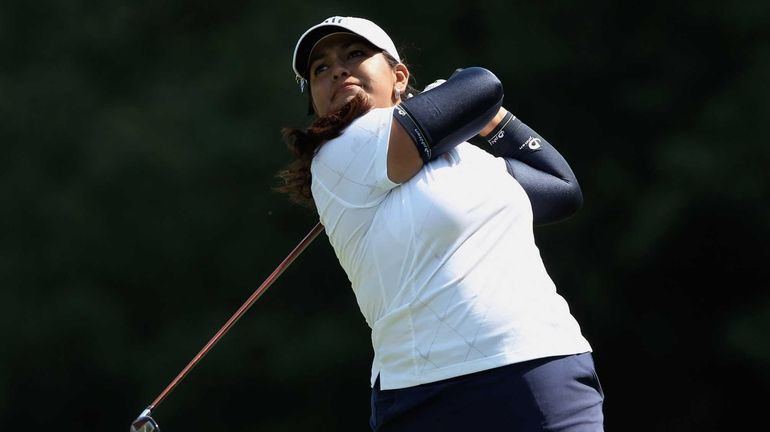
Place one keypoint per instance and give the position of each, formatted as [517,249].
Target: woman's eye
[318,69]
[355,53]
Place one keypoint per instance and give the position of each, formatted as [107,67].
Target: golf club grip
[240,312]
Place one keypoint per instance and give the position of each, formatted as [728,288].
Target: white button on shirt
[444,266]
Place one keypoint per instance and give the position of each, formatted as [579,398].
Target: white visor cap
[359,26]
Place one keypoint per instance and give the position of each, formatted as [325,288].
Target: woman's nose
[339,71]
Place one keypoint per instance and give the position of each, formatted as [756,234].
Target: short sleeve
[352,169]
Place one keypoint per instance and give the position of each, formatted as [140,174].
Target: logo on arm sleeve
[532,143]
[500,135]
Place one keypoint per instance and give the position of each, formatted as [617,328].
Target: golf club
[145,422]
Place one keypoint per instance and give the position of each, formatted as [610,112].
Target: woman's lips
[344,89]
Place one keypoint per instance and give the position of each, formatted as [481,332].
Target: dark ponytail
[304,143]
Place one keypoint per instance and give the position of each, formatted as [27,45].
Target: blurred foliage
[140,141]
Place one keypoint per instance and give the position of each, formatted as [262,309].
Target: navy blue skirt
[554,394]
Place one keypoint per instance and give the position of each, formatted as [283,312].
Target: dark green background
[139,146]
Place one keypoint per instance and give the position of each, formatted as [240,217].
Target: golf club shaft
[239,313]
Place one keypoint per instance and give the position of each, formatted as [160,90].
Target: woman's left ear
[402,77]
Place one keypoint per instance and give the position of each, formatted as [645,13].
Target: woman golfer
[436,237]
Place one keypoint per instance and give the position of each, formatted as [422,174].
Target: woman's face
[343,64]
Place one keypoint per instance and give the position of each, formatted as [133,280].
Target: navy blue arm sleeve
[440,119]
[541,170]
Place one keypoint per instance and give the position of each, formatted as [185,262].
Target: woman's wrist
[490,127]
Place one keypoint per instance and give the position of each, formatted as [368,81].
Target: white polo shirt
[444,266]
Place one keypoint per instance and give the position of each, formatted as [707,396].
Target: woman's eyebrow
[322,53]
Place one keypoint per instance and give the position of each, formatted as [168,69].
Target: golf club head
[144,423]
